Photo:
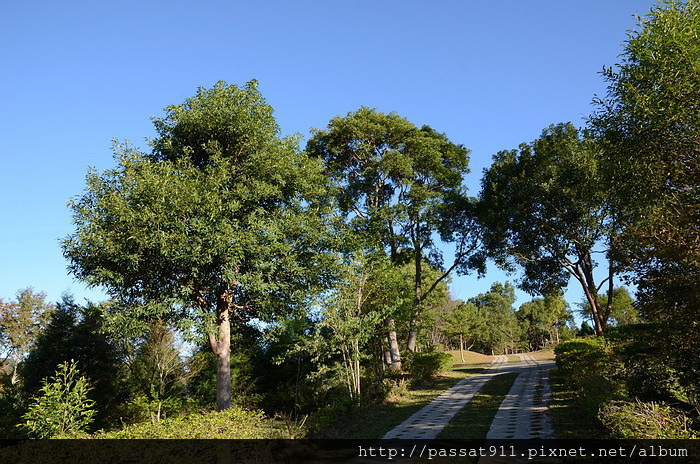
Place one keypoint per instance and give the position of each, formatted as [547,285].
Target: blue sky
[77,74]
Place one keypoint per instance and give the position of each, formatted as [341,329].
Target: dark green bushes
[424,366]
[630,383]
[591,369]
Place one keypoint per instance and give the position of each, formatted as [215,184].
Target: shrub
[650,373]
[591,369]
[424,366]
[643,420]
[233,423]
[63,409]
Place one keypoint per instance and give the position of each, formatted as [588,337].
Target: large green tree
[495,316]
[649,123]
[545,209]
[542,319]
[223,221]
[399,185]
[21,321]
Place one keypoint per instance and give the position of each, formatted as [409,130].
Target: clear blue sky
[77,74]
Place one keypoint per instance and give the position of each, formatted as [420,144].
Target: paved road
[523,412]
[521,415]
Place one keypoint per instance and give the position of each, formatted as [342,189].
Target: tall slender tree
[399,185]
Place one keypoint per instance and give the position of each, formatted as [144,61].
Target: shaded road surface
[521,415]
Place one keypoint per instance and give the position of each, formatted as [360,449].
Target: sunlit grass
[543,355]
[474,420]
[570,416]
[376,420]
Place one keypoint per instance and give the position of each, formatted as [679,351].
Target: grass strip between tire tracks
[474,420]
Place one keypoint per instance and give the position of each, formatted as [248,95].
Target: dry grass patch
[543,355]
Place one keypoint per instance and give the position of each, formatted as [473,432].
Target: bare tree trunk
[394,351]
[412,337]
[221,346]
[418,298]
[356,366]
[461,347]
[583,272]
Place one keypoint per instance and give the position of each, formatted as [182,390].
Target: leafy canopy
[221,203]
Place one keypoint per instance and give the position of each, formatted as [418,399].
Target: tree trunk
[15,375]
[394,351]
[356,368]
[412,337]
[584,274]
[221,346]
[461,347]
[418,299]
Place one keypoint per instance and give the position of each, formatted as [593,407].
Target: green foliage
[622,311]
[650,126]
[350,319]
[157,375]
[225,121]
[234,423]
[424,366]
[245,376]
[640,391]
[649,118]
[20,323]
[543,320]
[651,374]
[644,420]
[464,321]
[499,330]
[544,208]
[224,221]
[589,366]
[398,185]
[13,405]
[63,409]
[75,332]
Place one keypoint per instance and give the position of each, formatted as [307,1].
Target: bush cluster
[591,369]
[643,420]
[634,389]
[424,366]
[233,423]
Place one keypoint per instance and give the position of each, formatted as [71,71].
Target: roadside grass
[543,355]
[571,418]
[374,421]
[474,420]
